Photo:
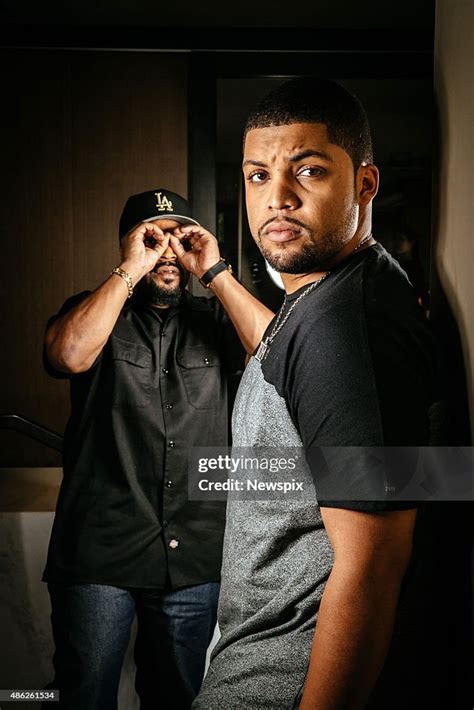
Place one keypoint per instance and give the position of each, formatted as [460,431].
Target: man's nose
[168,255]
[282,195]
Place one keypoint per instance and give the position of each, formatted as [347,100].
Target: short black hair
[314,100]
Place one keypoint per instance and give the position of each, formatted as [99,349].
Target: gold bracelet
[126,277]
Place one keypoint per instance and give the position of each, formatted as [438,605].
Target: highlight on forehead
[312,100]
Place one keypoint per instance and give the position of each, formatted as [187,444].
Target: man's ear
[367,183]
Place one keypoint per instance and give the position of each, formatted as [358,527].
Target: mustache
[291,220]
[176,264]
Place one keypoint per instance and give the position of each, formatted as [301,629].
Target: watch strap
[210,274]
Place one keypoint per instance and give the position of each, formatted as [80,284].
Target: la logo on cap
[162,202]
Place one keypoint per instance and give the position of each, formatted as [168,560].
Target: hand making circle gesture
[142,247]
[205,248]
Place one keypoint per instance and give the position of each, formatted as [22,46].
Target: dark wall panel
[80,131]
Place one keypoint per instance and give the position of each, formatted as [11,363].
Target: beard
[153,295]
[314,254]
[162,296]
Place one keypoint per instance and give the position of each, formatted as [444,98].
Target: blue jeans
[91,628]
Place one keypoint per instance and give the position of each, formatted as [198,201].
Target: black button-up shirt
[159,387]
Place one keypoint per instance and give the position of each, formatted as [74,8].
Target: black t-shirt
[159,387]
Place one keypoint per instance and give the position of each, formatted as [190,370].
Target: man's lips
[281,232]
[166,270]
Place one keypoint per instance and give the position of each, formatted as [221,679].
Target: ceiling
[401,15]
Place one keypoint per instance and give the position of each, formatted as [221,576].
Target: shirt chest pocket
[131,367]
[201,373]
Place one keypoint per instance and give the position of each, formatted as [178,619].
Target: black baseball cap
[154,204]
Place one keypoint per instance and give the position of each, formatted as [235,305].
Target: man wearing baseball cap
[148,365]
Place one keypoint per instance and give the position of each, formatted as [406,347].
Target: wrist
[125,277]
[219,267]
[219,280]
[134,270]
[198,271]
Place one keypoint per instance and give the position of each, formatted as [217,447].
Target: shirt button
[169,484]
[164,370]
[163,333]
[169,405]
[173,544]
[206,361]
[171,444]
[165,523]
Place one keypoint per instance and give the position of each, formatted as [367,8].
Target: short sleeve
[333,400]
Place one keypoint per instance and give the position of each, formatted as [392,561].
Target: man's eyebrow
[309,153]
[257,163]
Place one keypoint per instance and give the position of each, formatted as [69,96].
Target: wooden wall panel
[80,132]
[129,127]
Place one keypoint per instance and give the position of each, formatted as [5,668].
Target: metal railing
[16,422]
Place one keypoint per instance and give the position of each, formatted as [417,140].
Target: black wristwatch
[210,274]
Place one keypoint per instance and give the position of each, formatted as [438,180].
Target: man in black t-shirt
[148,365]
[312,589]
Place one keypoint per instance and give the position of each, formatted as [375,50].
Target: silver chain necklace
[266,343]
